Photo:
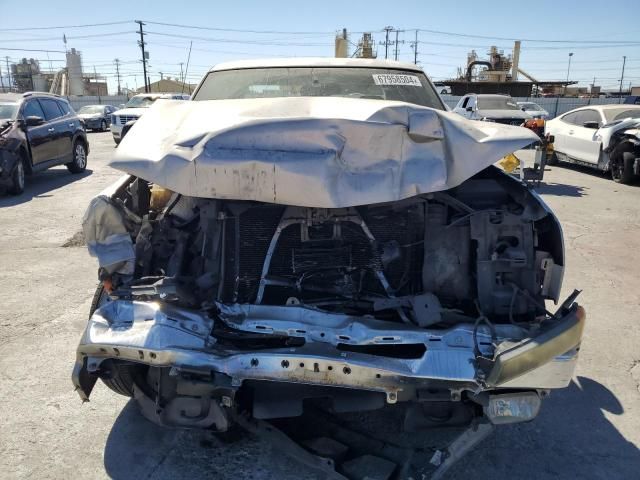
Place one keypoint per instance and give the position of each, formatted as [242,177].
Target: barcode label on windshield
[393,79]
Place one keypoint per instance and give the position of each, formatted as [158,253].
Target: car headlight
[485,119]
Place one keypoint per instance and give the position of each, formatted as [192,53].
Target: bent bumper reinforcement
[162,335]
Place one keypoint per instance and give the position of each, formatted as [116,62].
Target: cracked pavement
[589,430]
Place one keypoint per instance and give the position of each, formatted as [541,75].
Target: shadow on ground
[560,189]
[41,184]
[572,438]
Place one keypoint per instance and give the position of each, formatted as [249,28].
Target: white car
[606,137]
[533,109]
[134,109]
[491,108]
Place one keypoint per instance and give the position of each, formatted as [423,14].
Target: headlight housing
[486,119]
[513,407]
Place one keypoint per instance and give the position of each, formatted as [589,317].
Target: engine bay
[485,248]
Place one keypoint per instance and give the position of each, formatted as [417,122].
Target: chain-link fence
[79,102]
[555,106]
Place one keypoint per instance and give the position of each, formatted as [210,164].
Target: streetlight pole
[568,70]
[624,60]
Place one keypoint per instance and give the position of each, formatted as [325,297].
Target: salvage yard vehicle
[134,109]
[533,109]
[97,117]
[606,137]
[38,131]
[491,108]
[323,230]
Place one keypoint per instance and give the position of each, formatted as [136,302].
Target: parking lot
[591,429]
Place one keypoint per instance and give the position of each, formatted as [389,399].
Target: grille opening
[405,350]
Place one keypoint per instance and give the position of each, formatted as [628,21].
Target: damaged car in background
[323,230]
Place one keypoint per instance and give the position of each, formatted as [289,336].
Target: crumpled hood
[504,114]
[309,151]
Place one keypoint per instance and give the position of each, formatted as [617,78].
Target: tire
[117,376]
[79,163]
[17,178]
[622,168]
[103,126]
[553,159]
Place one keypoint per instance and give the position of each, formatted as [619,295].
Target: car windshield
[8,111]
[612,114]
[91,109]
[531,107]
[497,103]
[140,102]
[369,83]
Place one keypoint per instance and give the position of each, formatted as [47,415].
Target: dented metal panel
[321,152]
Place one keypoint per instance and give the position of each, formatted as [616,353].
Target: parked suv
[38,131]
[134,108]
[491,108]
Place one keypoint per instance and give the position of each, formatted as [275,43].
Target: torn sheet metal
[321,152]
[107,236]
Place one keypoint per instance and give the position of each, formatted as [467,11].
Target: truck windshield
[370,83]
[496,103]
[140,102]
[91,109]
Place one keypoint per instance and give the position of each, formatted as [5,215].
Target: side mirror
[591,124]
[469,109]
[33,121]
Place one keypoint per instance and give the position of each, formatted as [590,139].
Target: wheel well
[28,166]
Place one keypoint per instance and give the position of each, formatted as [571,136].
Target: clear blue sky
[439,54]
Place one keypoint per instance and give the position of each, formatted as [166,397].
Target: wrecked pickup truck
[323,230]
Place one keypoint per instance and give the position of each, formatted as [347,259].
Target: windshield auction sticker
[394,79]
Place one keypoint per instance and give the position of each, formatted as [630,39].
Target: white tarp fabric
[308,151]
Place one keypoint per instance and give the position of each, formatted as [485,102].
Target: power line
[31,50]
[229,40]
[467,35]
[106,34]
[234,30]
[65,26]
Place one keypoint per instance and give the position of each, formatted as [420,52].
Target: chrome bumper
[165,336]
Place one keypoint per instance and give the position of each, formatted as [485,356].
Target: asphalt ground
[47,279]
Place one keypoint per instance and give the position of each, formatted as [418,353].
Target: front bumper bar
[161,335]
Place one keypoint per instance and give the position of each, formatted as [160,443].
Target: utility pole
[415,49]
[624,60]
[8,73]
[397,43]
[144,56]
[117,61]
[1,81]
[181,74]
[95,78]
[161,75]
[386,42]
